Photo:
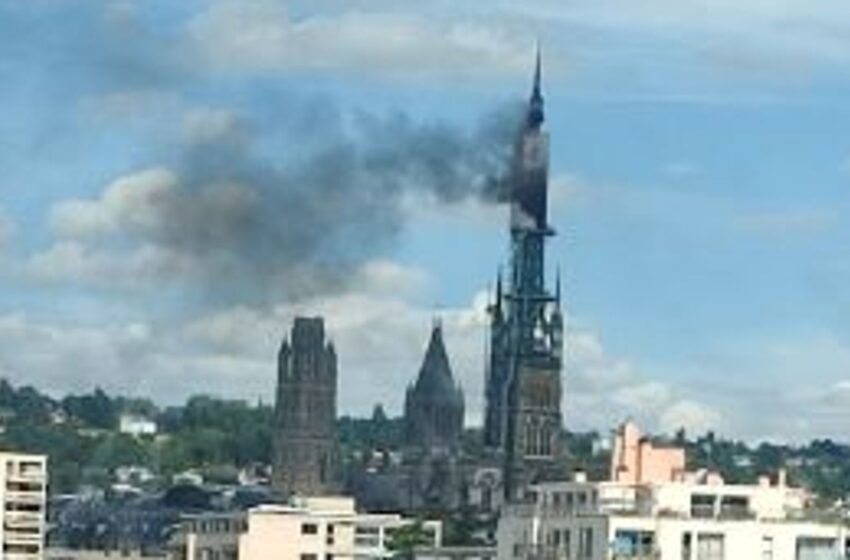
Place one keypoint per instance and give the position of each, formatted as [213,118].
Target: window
[632,542]
[767,548]
[702,505]
[585,543]
[687,546]
[735,507]
[555,538]
[309,557]
[582,500]
[816,548]
[710,546]
[309,529]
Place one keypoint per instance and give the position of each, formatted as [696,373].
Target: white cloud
[786,31]
[131,202]
[263,35]
[602,390]
[380,338]
[75,262]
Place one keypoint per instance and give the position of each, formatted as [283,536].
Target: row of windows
[560,541]
[218,526]
[313,528]
[309,556]
[24,486]
[227,553]
[574,500]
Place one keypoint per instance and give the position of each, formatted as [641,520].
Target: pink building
[636,460]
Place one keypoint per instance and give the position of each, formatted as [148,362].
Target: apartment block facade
[23,497]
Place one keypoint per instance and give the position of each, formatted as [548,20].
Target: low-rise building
[318,528]
[691,516]
[23,496]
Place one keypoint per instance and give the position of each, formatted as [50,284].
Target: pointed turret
[434,405]
[435,376]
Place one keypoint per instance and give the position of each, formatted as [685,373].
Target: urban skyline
[699,203]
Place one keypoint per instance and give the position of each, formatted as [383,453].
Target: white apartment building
[23,497]
[676,515]
[320,528]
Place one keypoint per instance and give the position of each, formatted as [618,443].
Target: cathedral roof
[435,379]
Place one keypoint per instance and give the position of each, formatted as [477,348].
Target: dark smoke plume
[260,226]
[293,205]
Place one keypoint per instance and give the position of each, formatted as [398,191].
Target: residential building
[209,536]
[85,554]
[693,516]
[315,528]
[636,459]
[23,497]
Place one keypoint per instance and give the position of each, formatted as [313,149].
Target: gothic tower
[305,454]
[433,406]
[523,385]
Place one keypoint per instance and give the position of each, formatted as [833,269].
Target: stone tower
[304,446]
[523,384]
[433,407]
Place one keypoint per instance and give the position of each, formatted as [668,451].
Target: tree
[96,410]
[404,540]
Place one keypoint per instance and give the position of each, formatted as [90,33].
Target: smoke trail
[259,226]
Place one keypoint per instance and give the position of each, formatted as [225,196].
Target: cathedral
[304,446]
[433,407]
[432,470]
[523,378]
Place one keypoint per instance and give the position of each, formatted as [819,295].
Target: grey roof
[435,379]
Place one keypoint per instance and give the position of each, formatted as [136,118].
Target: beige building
[689,516]
[23,496]
[319,528]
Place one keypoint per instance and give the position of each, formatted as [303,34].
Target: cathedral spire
[535,106]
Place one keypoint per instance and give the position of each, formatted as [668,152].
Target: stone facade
[305,453]
[523,385]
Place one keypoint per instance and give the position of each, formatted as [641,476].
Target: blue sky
[700,166]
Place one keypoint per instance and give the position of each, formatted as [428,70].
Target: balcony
[23,519]
[22,538]
[22,556]
[26,477]
[29,498]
